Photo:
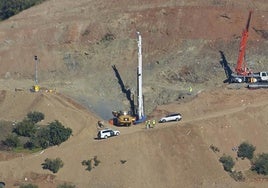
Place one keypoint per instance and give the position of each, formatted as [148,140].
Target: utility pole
[139,78]
[36,63]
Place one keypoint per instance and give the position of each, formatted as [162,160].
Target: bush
[237,176]
[25,128]
[12,141]
[214,148]
[87,163]
[57,133]
[227,162]
[246,150]
[29,186]
[65,185]
[96,161]
[53,165]
[260,164]
[35,117]
[29,145]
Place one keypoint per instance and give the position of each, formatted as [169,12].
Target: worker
[153,123]
[147,124]
[190,89]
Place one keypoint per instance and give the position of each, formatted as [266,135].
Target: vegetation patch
[28,186]
[91,163]
[246,150]
[10,8]
[227,162]
[260,164]
[53,164]
[28,135]
[66,185]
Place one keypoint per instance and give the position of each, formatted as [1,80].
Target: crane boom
[241,67]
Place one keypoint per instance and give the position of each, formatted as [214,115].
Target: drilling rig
[123,118]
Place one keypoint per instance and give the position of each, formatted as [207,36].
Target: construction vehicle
[243,73]
[123,118]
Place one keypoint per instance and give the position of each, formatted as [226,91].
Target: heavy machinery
[136,116]
[123,118]
[243,73]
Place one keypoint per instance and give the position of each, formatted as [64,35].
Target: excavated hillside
[77,44]
[85,47]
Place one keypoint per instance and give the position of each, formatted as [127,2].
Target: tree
[12,141]
[227,162]
[58,133]
[35,117]
[9,8]
[25,128]
[246,150]
[260,164]
[53,165]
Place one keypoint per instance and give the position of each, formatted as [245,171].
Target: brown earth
[181,44]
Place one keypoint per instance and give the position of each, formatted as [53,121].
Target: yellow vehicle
[123,118]
[35,88]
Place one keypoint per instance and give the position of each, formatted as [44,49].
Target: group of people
[150,124]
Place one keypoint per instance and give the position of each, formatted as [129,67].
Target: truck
[242,73]
[123,118]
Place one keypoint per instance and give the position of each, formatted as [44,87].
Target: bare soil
[181,44]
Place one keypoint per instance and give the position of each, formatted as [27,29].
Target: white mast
[139,75]
[36,62]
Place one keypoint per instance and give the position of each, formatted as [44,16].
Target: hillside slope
[171,155]
[181,44]
[78,42]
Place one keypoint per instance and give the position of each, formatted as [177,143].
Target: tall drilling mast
[139,78]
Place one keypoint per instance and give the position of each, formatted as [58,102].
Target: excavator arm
[241,67]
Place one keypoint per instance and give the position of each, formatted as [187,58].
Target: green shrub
[227,162]
[25,128]
[108,37]
[53,165]
[12,141]
[57,133]
[237,176]
[65,185]
[29,186]
[214,148]
[91,163]
[96,161]
[88,163]
[35,117]
[260,164]
[123,161]
[246,150]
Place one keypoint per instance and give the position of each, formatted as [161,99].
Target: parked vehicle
[106,133]
[171,117]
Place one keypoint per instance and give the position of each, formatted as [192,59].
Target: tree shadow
[125,90]
[228,71]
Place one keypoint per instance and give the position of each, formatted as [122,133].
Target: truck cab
[263,76]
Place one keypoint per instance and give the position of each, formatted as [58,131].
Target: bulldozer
[123,118]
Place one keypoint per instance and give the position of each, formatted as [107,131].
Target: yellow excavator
[123,118]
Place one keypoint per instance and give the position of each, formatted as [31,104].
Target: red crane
[241,66]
